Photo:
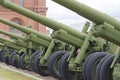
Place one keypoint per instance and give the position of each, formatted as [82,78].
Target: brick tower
[38,6]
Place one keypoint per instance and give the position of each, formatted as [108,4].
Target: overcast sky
[61,14]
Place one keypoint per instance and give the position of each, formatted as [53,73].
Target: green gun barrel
[11,43]
[18,38]
[11,35]
[34,36]
[2,40]
[89,13]
[24,29]
[43,20]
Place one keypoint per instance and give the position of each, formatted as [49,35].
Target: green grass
[10,75]
[117,72]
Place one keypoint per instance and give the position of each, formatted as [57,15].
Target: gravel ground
[27,73]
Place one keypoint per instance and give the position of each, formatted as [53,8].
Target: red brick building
[38,6]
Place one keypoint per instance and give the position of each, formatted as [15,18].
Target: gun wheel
[90,63]
[99,66]
[12,59]
[6,58]
[1,55]
[63,69]
[53,63]
[22,62]
[19,64]
[32,59]
[107,73]
[42,70]
[1,51]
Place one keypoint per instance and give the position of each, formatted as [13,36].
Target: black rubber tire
[10,57]
[105,71]
[53,63]
[14,62]
[32,59]
[84,66]
[19,64]
[98,68]
[39,69]
[2,54]
[21,61]
[6,59]
[63,69]
[91,64]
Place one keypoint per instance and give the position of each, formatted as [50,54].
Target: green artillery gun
[27,44]
[49,45]
[3,49]
[16,56]
[9,47]
[86,43]
[107,28]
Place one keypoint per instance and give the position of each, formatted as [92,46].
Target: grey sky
[61,14]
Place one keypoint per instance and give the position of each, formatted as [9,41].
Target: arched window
[10,0]
[21,2]
[16,31]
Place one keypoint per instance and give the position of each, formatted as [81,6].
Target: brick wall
[38,6]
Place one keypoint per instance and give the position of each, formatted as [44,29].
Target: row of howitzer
[67,54]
